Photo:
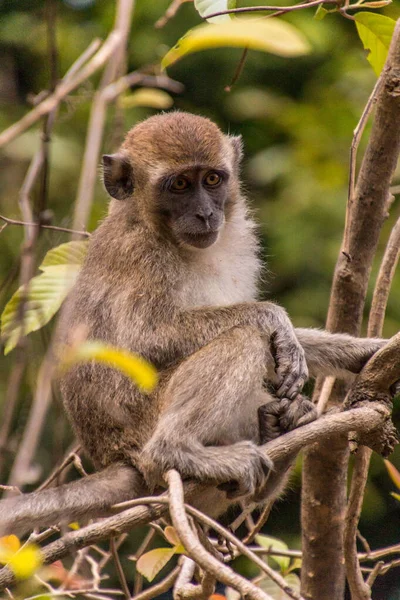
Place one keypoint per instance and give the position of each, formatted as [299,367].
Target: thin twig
[262,519]
[280,9]
[160,588]
[325,394]
[120,571]
[88,175]
[357,135]
[9,221]
[62,90]
[193,547]
[170,13]
[274,575]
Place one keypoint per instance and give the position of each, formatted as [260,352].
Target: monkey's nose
[204,216]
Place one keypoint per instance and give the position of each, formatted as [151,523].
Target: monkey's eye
[179,184]
[213,179]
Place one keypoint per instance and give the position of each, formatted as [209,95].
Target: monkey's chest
[216,288]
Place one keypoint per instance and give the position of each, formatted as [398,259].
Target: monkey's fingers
[299,412]
[269,416]
[291,368]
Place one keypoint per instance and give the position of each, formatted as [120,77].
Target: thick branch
[325,466]
[362,420]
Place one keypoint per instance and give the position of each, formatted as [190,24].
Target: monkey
[172,273]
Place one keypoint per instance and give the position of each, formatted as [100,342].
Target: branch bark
[325,465]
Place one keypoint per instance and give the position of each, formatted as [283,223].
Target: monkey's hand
[291,367]
[280,416]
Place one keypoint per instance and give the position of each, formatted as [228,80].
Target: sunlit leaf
[295,564]
[393,473]
[273,544]
[25,562]
[151,563]
[271,35]
[147,97]
[9,544]
[275,591]
[172,536]
[132,365]
[209,7]
[47,292]
[397,496]
[375,32]
[71,253]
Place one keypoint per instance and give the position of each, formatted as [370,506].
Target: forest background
[296,117]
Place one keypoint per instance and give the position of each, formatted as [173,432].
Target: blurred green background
[296,117]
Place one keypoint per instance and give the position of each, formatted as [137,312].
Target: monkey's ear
[117,176]
[237,145]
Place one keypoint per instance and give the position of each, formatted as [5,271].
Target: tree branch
[325,466]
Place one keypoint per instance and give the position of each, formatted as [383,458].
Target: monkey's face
[178,173]
[191,204]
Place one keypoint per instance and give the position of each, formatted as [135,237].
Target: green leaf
[271,35]
[375,32]
[71,253]
[209,7]
[151,563]
[273,544]
[393,472]
[276,592]
[47,292]
[147,97]
[132,365]
[320,13]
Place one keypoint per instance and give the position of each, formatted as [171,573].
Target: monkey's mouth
[200,240]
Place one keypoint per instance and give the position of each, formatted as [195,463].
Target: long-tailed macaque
[172,274]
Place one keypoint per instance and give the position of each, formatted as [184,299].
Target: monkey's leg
[89,497]
[208,429]
[336,353]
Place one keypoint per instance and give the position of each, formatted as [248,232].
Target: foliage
[273,36]
[45,294]
[152,562]
[24,560]
[375,32]
[132,365]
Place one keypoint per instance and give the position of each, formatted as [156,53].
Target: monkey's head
[179,172]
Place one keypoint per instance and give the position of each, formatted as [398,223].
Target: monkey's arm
[336,353]
[188,331]
[89,497]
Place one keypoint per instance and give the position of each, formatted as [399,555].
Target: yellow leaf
[74,526]
[397,496]
[393,472]
[151,563]
[132,365]
[271,35]
[25,562]
[9,545]
[147,97]
[172,536]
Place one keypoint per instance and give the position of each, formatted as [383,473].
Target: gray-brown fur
[173,276]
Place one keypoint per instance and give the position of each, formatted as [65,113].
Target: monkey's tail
[89,497]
